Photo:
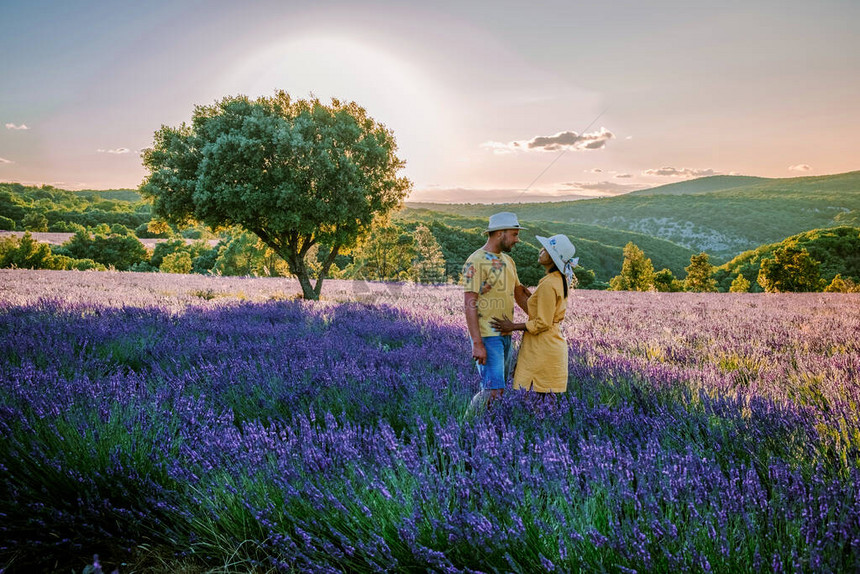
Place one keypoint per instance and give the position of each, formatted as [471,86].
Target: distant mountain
[703,185]
[722,215]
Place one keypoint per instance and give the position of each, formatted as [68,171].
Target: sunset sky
[484,98]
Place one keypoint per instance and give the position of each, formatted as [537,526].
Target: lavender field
[205,424]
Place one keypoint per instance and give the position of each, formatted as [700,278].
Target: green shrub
[118,251]
[740,285]
[179,262]
[25,253]
[35,221]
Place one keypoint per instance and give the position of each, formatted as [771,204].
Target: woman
[542,360]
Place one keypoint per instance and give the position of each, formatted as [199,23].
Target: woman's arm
[505,325]
[545,303]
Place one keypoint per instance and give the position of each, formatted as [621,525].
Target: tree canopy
[740,284]
[700,275]
[297,173]
[429,263]
[637,271]
[792,269]
[837,249]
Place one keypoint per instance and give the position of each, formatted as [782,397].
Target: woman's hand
[503,325]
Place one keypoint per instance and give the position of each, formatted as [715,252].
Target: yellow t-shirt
[493,276]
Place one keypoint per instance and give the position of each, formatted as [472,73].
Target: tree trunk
[296,261]
[324,269]
[308,291]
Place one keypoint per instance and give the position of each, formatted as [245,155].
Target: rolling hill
[722,215]
[702,185]
[600,249]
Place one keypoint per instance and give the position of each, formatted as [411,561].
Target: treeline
[416,245]
[599,248]
[388,252]
[25,208]
[108,224]
[818,260]
[809,261]
[100,249]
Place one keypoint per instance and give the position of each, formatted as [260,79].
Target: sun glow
[394,91]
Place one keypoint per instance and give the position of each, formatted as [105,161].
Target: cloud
[800,167]
[14,127]
[561,141]
[4,160]
[683,172]
[499,147]
[117,151]
[611,172]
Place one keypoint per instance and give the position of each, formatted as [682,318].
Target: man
[491,289]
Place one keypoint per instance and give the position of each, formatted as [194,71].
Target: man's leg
[494,372]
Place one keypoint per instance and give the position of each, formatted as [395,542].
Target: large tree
[792,269]
[637,271]
[386,252]
[297,173]
[428,266]
[700,274]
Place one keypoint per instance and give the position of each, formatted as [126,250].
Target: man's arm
[521,296]
[479,351]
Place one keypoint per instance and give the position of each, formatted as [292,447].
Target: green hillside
[724,221]
[836,248]
[599,249]
[702,185]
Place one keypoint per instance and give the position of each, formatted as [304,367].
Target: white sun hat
[503,220]
[562,252]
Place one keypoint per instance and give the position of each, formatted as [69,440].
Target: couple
[491,289]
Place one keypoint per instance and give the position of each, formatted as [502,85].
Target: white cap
[503,220]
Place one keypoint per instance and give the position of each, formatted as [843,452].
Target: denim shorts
[495,372]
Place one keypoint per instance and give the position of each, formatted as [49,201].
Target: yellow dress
[542,360]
